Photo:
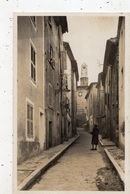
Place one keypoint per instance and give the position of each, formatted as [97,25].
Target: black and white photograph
[70,102]
[65,97]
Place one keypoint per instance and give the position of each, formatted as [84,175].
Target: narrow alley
[63,96]
[80,169]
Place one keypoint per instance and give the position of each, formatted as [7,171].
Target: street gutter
[116,166]
[24,185]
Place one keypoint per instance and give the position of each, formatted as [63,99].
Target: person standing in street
[95,133]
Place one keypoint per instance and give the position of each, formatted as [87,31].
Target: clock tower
[81,93]
[84,75]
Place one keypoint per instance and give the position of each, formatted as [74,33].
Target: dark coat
[95,133]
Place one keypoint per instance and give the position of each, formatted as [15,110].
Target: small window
[51,56]
[33,19]
[64,59]
[30,120]
[33,64]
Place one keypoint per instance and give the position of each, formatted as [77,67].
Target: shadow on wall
[81,120]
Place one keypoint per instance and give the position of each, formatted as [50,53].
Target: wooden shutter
[64,61]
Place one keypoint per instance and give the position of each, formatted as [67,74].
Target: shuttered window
[33,64]
[64,60]
[30,121]
[51,56]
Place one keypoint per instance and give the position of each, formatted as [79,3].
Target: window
[64,59]
[33,64]
[30,120]
[51,56]
[33,19]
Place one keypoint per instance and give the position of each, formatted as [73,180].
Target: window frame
[34,81]
[31,104]
[52,56]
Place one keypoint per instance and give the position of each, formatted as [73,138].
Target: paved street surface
[80,169]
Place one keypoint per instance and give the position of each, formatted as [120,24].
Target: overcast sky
[87,37]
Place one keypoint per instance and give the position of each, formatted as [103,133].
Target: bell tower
[84,75]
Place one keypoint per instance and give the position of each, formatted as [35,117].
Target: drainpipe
[61,81]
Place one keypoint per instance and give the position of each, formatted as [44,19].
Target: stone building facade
[110,84]
[121,92]
[30,87]
[91,105]
[100,104]
[54,28]
[71,77]
[113,83]
[40,114]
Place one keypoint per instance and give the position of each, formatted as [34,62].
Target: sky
[87,36]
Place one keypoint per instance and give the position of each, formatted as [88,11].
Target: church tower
[84,75]
[81,93]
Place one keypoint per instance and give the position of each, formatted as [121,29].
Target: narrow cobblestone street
[80,169]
